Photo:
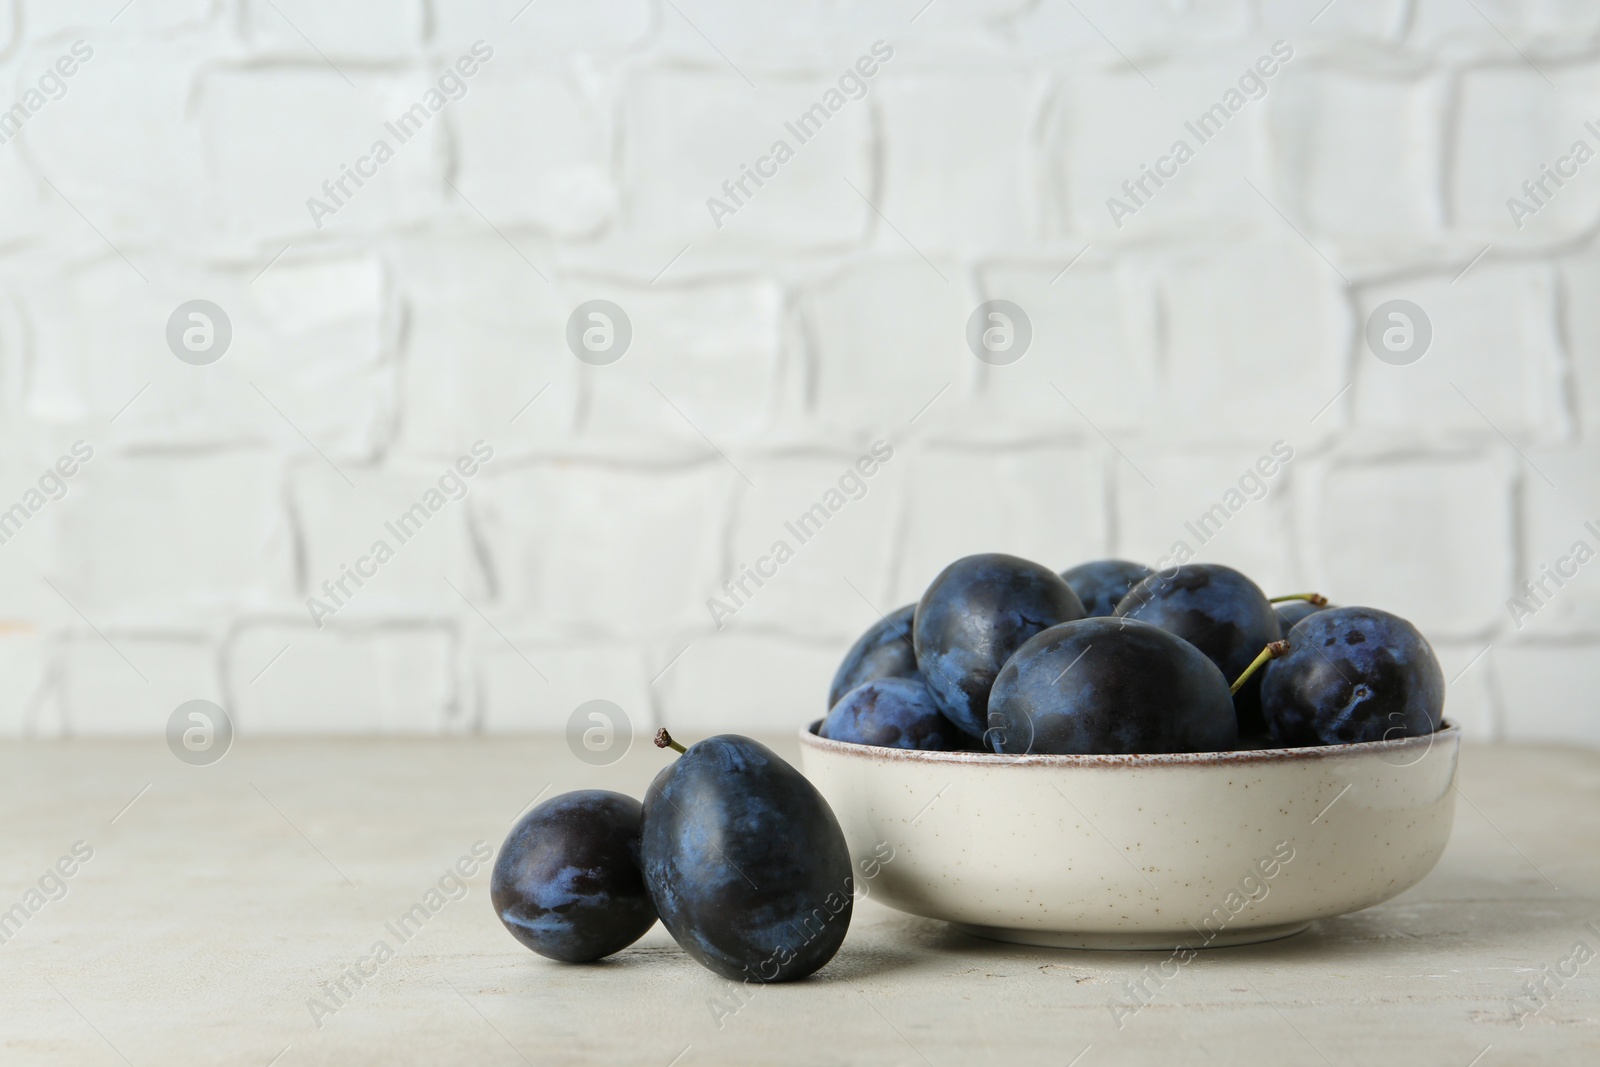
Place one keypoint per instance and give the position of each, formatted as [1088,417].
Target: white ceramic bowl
[1140,852]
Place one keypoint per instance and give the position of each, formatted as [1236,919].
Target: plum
[884,651]
[892,713]
[567,882]
[745,861]
[1220,612]
[1292,611]
[1101,585]
[977,612]
[1110,685]
[1350,675]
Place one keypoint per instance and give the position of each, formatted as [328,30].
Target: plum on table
[1292,607]
[892,713]
[1219,611]
[1350,675]
[567,882]
[977,612]
[1292,611]
[884,651]
[745,861]
[1102,584]
[1110,685]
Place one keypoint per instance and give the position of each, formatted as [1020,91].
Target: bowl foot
[1131,941]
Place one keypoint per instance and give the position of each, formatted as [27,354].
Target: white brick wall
[827,312]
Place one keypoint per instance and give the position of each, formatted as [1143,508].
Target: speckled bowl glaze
[1140,852]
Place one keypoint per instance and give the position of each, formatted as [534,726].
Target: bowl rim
[1447,730]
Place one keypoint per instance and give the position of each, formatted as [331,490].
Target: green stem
[1316,598]
[664,740]
[1273,650]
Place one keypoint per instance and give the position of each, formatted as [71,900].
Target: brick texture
[822,308]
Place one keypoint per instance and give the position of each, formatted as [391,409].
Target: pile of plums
[1111,657]
[733,849]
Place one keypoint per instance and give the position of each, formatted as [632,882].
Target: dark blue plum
[746,862]
[973,617]
[892,713]
[884,651]
[1110,686]
[1217,610]
[567,882]
[1292,611]
[1101,585]
[1352,674]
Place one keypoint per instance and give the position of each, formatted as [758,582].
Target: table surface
[221,903]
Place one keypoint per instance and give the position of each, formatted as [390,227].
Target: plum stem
[1316,598]
[1273,650]
[664,740]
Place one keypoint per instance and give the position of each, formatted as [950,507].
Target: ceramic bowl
[1140,852]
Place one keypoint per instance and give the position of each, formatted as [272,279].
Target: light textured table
[217,905]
